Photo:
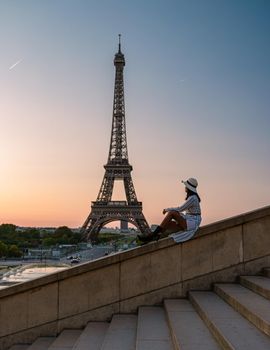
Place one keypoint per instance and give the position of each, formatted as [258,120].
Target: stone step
[259,284]
[266,272]
[251,305]
[231,330]
[153,330]
[92,336]
[188,330]
[121,334]
[42,343]
[65,340]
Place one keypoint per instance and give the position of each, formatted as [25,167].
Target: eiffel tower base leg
[101,215]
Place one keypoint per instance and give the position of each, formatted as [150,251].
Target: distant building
[123,226]
[39,253]
[109,230]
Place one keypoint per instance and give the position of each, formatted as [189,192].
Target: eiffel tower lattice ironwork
[104,209]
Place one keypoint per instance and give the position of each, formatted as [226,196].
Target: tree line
[14,242]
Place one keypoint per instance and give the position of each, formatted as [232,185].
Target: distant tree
[8,233]
[14,251]
[63,231]
[8,228]
[76,238]
[48,242]
[31,233]
[30,238]
[3,249]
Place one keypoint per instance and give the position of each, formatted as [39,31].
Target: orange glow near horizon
[46,205]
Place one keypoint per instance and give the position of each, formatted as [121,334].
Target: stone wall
[142,276]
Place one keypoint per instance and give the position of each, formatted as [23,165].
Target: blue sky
[197,82]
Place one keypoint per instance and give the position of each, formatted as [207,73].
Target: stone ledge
[234,221]
[132,253]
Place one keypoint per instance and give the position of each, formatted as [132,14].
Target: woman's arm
[183,207]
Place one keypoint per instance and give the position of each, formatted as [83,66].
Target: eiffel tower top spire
[118,153]
[119,44]
[119,59]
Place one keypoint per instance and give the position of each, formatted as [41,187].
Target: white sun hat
[191,184]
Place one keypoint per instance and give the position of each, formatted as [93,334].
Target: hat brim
[191,188]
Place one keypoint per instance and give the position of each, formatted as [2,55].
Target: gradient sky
[197,90]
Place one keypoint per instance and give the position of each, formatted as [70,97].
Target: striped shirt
[191,206]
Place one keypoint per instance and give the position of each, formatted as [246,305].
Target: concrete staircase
[232,316]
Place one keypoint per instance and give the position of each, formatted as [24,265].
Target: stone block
[13,313]
[43,305]
[150,271]
[89,290]
[35,307]
[256,237]
[227,248]
[166,267]
[135,276]
[197,257]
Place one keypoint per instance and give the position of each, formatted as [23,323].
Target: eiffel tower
[104,210]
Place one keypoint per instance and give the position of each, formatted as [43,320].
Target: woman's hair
[191,193]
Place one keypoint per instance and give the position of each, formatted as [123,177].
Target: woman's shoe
[145,239]
[156,236]
[157,230]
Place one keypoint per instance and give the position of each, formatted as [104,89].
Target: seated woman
[184,221]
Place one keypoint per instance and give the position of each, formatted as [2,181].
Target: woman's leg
[172,227]
[173,221]
[168,223]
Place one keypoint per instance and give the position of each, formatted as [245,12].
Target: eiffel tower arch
[104,210]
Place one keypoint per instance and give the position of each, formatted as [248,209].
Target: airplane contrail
[15,64]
